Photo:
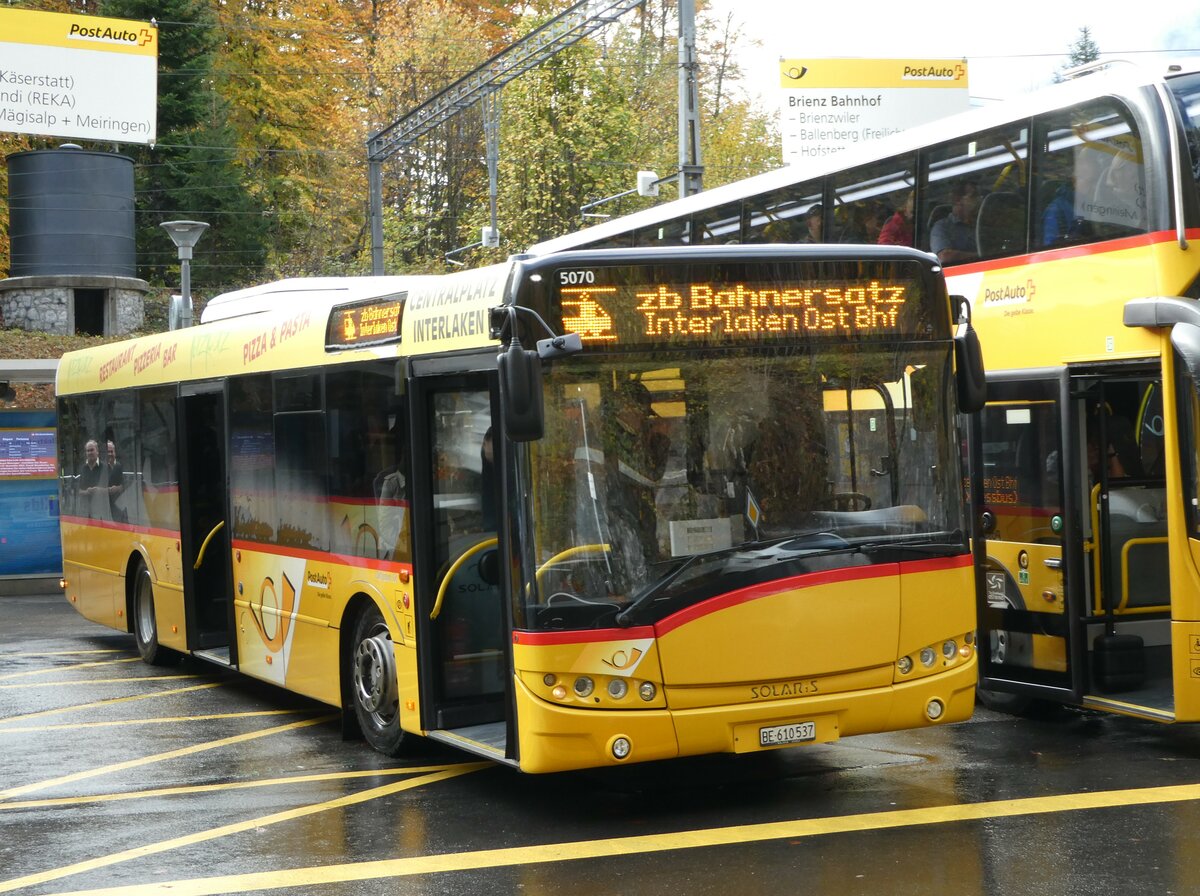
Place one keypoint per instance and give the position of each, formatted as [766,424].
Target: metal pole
[185,278]
[375,186]
[691,169]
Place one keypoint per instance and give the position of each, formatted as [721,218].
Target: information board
[829,105]
[86,77]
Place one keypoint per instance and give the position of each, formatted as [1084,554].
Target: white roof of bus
[1056,96]
[297,292]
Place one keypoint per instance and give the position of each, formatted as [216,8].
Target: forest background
[265,106]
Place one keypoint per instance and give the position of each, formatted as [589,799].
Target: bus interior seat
[1000,225]
[936,214]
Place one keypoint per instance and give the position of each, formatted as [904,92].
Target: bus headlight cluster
[951,651]
[566,688]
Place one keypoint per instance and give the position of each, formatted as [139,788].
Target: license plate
[795,733]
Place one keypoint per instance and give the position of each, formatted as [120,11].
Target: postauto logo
[110,35]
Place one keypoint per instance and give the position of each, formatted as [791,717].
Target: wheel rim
[145,611]
[375,676]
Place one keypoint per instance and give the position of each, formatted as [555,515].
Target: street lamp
[185,235]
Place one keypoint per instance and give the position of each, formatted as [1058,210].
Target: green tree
[191,172]
[1080,52]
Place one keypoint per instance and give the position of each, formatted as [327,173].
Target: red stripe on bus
[119,527]
[322,556]
[1044,255]
[598,636]
[808,580]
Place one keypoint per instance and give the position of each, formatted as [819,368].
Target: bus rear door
[204,522]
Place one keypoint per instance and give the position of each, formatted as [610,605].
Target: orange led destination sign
[714,312]
[365,323]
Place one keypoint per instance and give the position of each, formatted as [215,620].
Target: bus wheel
[376,693]
[145,626]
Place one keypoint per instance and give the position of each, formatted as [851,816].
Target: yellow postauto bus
[568,511]
[1068,219]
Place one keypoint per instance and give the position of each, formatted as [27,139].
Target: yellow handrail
[204,547]
[455,567]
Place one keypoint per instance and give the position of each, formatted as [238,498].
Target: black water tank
[71,212]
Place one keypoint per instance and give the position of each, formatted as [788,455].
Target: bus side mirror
[968,369]
[521,393]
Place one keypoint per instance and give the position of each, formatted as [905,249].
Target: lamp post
[185,235]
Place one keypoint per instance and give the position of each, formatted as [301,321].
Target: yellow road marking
[160,757]
[75,726]
[210,788]
[109,702]
[625,846]
[28,672]
[91,681]
[26,656]
[251,824]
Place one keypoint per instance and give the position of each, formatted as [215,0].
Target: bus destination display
[606,312]
[365,323]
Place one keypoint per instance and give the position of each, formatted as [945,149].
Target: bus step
[218,655]
[1118,662]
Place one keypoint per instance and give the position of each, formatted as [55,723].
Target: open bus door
[463,618]
[204,522]
[1076,604]
[1030,638]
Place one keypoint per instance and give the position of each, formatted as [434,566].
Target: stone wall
[46,304]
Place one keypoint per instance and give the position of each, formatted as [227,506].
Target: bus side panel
[287,614]
[94,587]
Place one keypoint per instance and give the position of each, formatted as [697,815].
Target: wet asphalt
[126,778]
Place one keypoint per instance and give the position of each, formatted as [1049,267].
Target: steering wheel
[578,550]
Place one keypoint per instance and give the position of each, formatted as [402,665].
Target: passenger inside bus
[898,230]
[952,238]
[813,219]
[93,482]
[116,484]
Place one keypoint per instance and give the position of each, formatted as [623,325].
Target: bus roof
[304,291]
[1116,78]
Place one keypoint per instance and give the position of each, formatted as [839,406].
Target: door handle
[1053,562]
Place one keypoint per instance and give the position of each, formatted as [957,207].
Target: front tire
[145,623]
[373,685]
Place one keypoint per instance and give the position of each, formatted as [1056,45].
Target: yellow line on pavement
[112,723]
[26,656]
[91,681]
[651,843]
[160,757]
[28,672]
[251,824]
[109,702]
[192,789]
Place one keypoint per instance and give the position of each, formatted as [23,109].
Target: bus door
[1124,523]
[204,529]
[1029,615]
[463,617]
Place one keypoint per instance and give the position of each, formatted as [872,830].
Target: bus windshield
[666,478]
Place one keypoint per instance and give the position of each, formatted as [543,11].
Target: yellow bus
[568,511]
[1067,219]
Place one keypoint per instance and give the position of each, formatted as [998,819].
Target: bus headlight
[949,649]
[618,688]
[583,686]
[904,664]
[928,657]
[647,691]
